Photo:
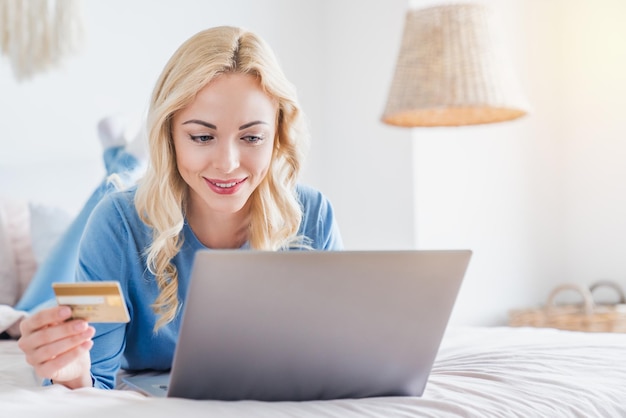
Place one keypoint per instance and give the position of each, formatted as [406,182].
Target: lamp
[449,71]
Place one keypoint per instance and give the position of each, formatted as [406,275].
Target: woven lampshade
[450,72]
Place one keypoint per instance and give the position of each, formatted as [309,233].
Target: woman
[226,141]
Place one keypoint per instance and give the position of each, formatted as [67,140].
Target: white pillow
[47,224]
[16,229]
[8,273]
[28,231]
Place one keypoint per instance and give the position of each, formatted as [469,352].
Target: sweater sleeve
[103,256]
[318,221]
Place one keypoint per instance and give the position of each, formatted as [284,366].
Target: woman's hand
[58,348]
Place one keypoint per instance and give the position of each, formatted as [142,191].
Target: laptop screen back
[304,325]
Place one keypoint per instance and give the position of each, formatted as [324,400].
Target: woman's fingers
[68,365]
[58,340]
[55,346]
[45,318]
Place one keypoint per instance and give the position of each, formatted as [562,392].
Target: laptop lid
[313,325]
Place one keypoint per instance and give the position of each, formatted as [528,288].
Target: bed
[479,371]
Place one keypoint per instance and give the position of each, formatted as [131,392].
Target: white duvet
[479,372]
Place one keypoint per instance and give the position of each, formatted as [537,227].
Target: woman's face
[224,141]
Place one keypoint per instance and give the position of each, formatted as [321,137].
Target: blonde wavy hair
[162,194]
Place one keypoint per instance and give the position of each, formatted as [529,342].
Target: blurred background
[540,200]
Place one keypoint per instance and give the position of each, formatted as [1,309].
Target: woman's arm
[104,256]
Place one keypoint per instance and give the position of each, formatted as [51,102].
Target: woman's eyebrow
[249,124]
[211,126]
[200,122]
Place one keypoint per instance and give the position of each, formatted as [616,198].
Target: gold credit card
[93,301]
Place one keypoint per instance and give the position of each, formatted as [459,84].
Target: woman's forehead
[235,97]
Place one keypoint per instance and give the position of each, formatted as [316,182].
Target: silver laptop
[310,325]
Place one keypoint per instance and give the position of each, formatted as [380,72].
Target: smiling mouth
[225,185]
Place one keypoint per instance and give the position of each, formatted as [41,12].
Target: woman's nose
[227,157]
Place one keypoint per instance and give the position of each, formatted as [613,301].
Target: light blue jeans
[60,263]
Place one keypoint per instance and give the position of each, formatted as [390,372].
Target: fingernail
[65,311]
[80,325]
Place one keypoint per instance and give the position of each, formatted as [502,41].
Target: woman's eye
[252,139]
[201,138]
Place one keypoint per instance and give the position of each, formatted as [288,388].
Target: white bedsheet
[479,372]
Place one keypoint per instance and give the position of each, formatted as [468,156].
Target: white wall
[539,200]
[366,166]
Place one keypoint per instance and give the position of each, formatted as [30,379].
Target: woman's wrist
[80,382]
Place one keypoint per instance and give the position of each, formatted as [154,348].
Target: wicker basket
[586,316]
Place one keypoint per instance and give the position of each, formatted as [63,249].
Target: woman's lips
[225,187]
